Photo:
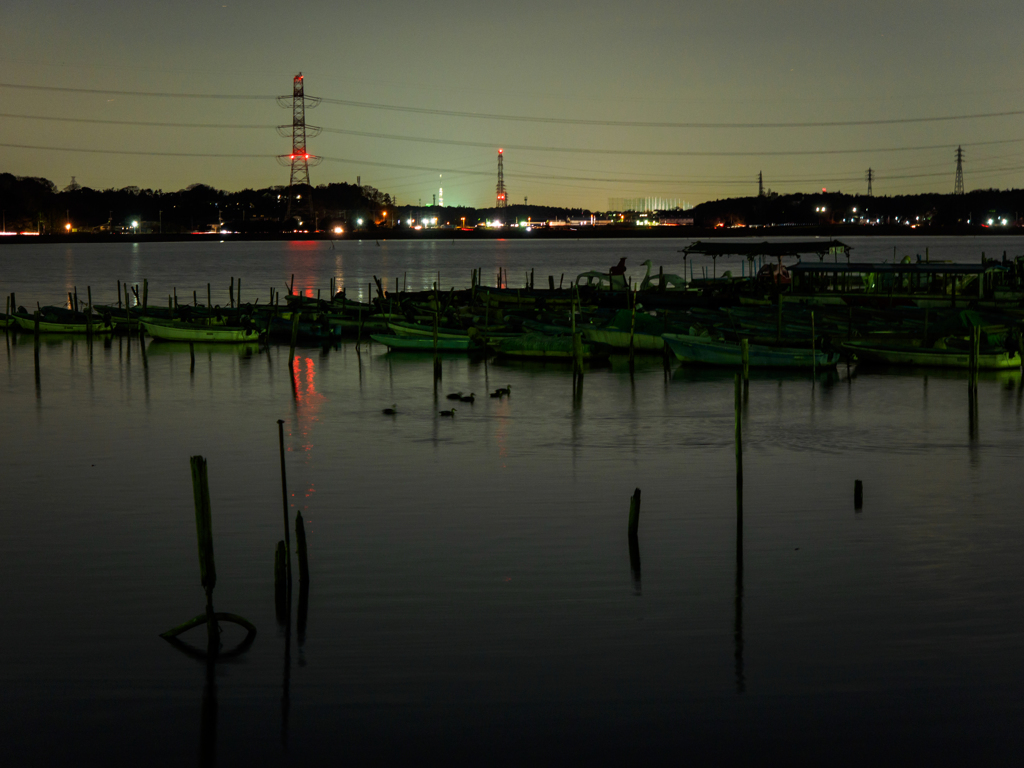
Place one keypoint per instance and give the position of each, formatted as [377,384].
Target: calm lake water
[472,593]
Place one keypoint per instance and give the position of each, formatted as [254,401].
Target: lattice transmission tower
[958,185]
[760,184]
[871,177]
[299,159]
[502,201]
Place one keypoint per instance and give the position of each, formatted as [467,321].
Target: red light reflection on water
[307,413]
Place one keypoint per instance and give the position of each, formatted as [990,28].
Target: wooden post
[239,294]
[118,294]
[300,548]
[175,297]
[858,494]
[738,433]
[778,315]
[551,282]
[145,294]
[634,513]
[192,357]
[284,497]
[632,329]
[209,305]
[76,298]
[195,299]
[745,357]
[204,539]
[295,337]
[36,330]
[231,294]
[88,315]
[128,315]
[814,354]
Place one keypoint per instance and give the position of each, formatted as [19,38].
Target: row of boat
[583,324]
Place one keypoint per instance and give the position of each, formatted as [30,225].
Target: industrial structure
[299,159]
[958,185]
[502,201]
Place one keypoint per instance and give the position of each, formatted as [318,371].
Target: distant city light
[338,230]
[67,227]
[359,222]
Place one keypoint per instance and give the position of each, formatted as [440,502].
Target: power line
[534,119]
[520,147]
[526,176]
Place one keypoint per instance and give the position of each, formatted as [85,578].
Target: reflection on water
[469,572]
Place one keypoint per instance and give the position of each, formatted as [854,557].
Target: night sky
[736,62]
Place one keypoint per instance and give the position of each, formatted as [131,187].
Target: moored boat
[710,351]
[220,334]
[871,352]
[421,344]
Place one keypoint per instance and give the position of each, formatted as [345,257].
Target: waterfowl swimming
[502,391]
[390,411]
[446,413]
[468,398]
[454,395]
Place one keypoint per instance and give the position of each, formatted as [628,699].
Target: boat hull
[419,344]
[934,358]
[707,351]
[205,333]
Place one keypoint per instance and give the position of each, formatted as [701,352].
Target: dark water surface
[472,595]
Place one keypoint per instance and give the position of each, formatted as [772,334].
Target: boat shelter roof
[764,248]
[926,268]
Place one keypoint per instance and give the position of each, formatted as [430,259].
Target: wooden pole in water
[145,294]
[88,316]
[632,329]
[118,294]
[209,304]
[295,337]
[204,538]
[745,358]
[128,315]
[738,433]
[239,294]
[192,357]
[858,494]
[634,514]
[284,497]
[814,354]
[231,294]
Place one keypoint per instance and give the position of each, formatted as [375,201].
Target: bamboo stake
[634,514]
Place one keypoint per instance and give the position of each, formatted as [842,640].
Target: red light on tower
[500,151]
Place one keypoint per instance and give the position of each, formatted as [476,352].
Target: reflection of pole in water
[741,682]
[738,620]
[633,531]
[634,564]
[208,722]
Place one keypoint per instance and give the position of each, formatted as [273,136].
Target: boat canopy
[924,268]
[764,248]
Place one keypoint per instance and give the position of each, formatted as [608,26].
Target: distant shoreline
[540,233]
